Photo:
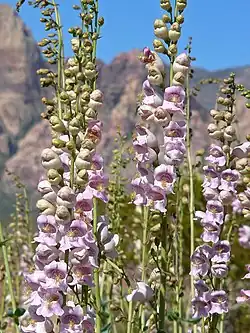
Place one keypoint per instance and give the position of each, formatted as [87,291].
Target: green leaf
[106,329]
[19,312]
[173,315]
[4,242]
[191,320]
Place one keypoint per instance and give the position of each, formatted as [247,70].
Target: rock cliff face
[22,132]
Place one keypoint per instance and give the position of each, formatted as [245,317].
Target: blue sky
[220,28]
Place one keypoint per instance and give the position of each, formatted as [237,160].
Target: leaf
[106,329]
[191,320]
[173,315]
[4,242]
[19,312]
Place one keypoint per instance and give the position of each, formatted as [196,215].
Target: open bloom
[201,307]
[165,177]
[216,156]
[141,294]
[174,99]
[219,302]
[244,236]
[244,296]
[221,252]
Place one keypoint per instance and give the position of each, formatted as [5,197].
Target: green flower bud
[62,214]
[100,21]
[50,160]
[160,29]
[45,207]
[88,144]
[43,42]
[159,46]
[74,126]
[166,19]
[54,177]
[172,50]
[90,70]
[70,145]
[57,125]
[82,177]
[166,5]
[180,19]
[91,114]
[42,71]
[181,4]
[228,116]
[220,100]
[174,32]
[154,76]
[179,79]
[58,143]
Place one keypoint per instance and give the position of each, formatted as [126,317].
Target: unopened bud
[166,5]
[57,125]
[160,29]
[74,126]
[159,46]
[54,177]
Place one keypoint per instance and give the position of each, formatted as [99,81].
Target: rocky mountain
[22,132]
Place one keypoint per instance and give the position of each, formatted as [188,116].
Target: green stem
[96,273]
[130,318]
[162,310]
[60,61]
[144,261]
[191,184]
[8,275]
[27,217]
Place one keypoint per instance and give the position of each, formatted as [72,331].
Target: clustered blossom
[67,251]
[156,164]
[211,261]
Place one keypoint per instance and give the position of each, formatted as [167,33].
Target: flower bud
[166,5]
[228,116]
[241,164]
[154,76]
[45,207]
[57,125]
[160,29]
[229,133]
[172,50]
[83,159]
[88,144]
[58,143]
[50,160]
[74,126]
[62,215]
[54,177]
[179,79]
[159,46]
[90,114]
[90,71]
[212,128]
[96,100]
[226,149]
[174,32]
[216,135]
[181,63]
[181,4]
[166,18]
[226,197]
[180,19]
[75,43]
[82,177]
[66,197]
